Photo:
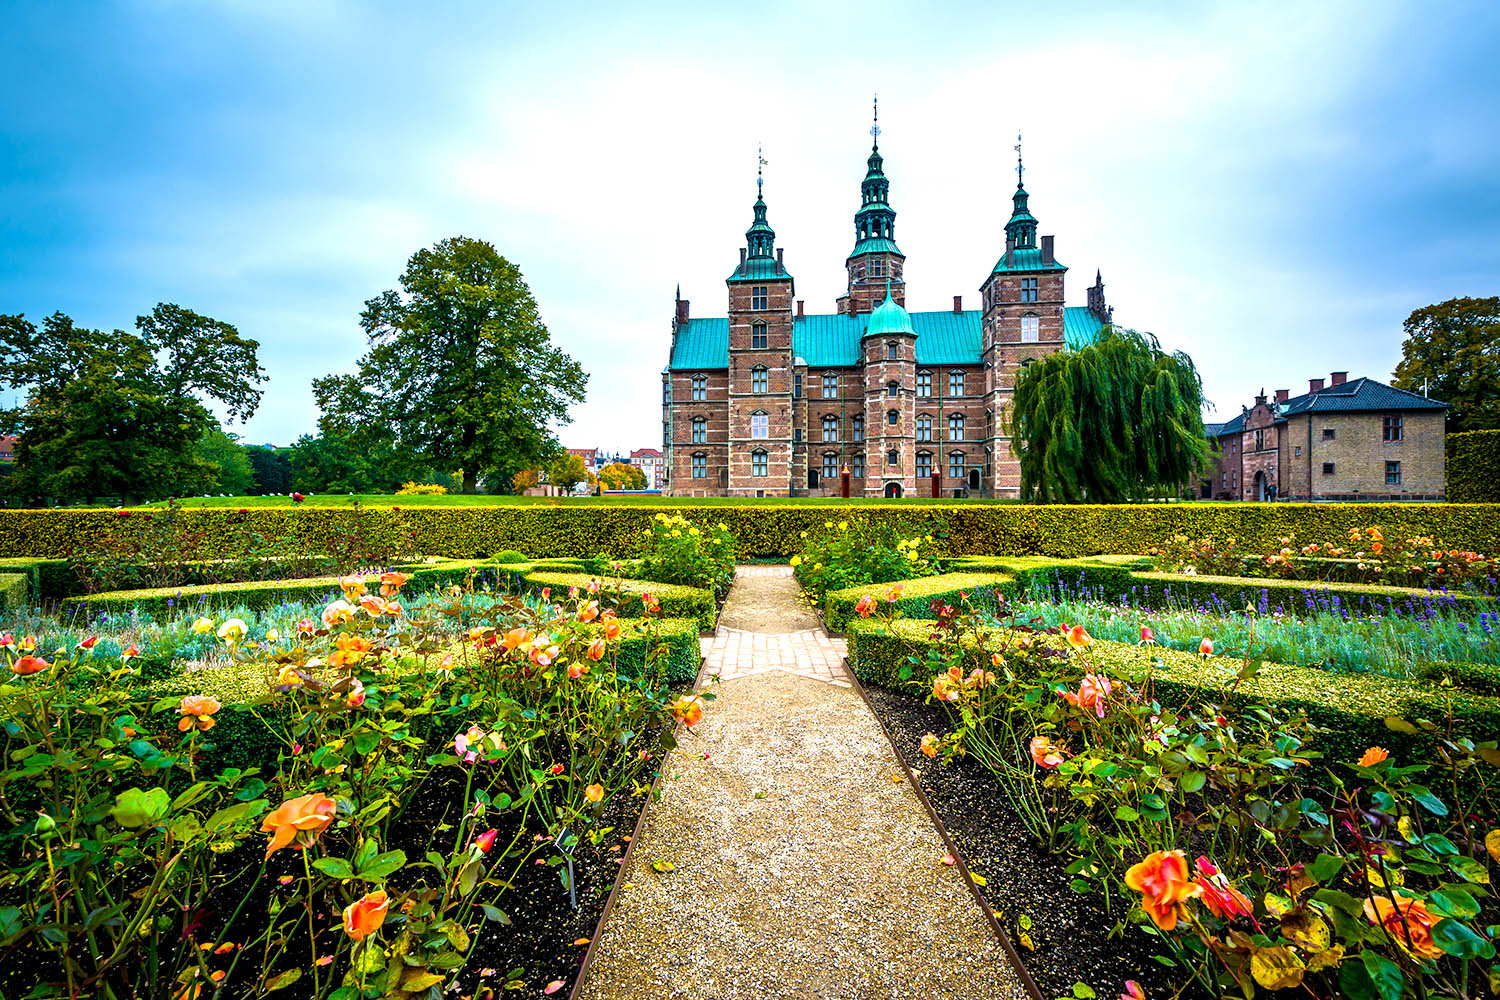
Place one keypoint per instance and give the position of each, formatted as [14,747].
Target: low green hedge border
[1353,707]
[50,579]
[676,601]
[917,595]
[774,529]
[15,591]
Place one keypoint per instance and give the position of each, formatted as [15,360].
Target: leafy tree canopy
[567,470]
[1452,353]
[622,476]
[461,368]
[225,464]
[272,470]
[120,414]
[1118,420]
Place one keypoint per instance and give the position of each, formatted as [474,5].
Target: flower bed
[673,600]
[365,808]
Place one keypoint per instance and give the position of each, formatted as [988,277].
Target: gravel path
[801,865]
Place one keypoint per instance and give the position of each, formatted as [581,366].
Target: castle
[773,401]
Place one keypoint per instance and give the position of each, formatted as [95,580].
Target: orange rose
[1078,638]
[392,582]
[353,586]
[1206,647]
[588,612]
[1219,895]
[1408,922]
[596,650]
[515,638]
[364,916]
[612,630]
[297,822]
[29,665]
[197,711]
[351,649]
[929,745]
[1045,753]
[377,606]
[1162,880]
[1373,756]
[688,710]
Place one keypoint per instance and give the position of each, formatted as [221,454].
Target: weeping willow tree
[1118,420]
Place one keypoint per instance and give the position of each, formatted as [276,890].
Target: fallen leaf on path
[948,859]
[581,942]
[553,986]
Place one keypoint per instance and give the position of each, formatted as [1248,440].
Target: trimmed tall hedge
[1474,467]
[917,595]
[1353,706]
[774,530]
[676,601]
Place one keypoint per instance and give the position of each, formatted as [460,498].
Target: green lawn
[391,500]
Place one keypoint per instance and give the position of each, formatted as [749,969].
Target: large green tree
[120,414]
[461,368]
[1118,420]
[226,464]
[271,468]
[1452,353]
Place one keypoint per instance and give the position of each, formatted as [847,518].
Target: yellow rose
[203,626]
[796,560]
[272,634]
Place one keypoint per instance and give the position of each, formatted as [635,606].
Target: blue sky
[1269,187]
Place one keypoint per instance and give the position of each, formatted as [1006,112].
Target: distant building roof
[646,453]
[1359,395]
[943,338]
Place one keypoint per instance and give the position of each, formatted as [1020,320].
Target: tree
[567,470]
[332,462]
[461,368]
[272,469]
[1117,420]
[225,463]
[120,414]
[526,479]
[1452,353]
[622,476]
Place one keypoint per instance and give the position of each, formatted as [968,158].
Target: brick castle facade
[772,401]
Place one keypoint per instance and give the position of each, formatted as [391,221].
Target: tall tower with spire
[875,258]
[760,361]
[1023,321]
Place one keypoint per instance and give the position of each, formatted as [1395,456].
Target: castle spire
[760,238]
[1020,231]
[875,222]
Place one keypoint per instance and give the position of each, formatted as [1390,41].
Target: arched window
[891,389]
[956,427]
[760,379]
[857,428]
[700,430]
[892,352]
[892,418]
[760,424]
[700,465]
[924,464]
[830,428]
[700,387]
[758,336]
[1031,328]
[924,427]
[893,458]
[924,383]
[760,465]
[955,465]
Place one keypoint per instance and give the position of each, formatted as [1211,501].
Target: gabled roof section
[701,344]
[1359,395]
[1080,327]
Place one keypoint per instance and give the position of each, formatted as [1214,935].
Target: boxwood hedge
[917,595]
[1354,707]
[1474,467]
[676,601]
[774,530]
[15,591]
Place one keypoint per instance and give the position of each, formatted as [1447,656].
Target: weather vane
[1019,168]
[760,166]
[875,128]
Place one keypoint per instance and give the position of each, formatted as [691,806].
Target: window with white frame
[700,388]
[955,383]
[758,298]
[955,465]
[700,465]
[760,465]
[956,427]
[830,465]
[830,386]
[700,431]
[924,383]
[830,428]
[924,427]
[857,428]
[891,389]
[877,266]
[893,459]
[924,464]
[1031,328]
[857,467]
[760,380]
[760,424]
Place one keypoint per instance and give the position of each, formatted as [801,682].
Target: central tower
[875,259]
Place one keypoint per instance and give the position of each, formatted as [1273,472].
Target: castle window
[1391,431]
[758,298]
[892,417]
[924,383]
[1393,473]
[760,465]
[891,388]
[877,266]
[955,383]
[830,386]
[892,352]
[989,423]
[758,336]
[924,427]
[924,464]
[955,465]
[1327,468]
[893,458]
[1031,328]
[1260,439]
[857,429]
[700,430]
[700,388]
[1028,289]
[700,465]
[666,391]
[1328,434]
[797,386]
[857,467]
[830,428]
[830,465]
[956,427]
[797,435]
[760,424]
[759,380]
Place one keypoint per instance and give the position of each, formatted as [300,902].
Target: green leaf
[1326,867]
[284,980]
[135,808]
[1384,974]
[366,741]
[1083,991]
[1428,801]
[1459,940]
[1193,781]
[382,865]
[190,795]
[1469,870]
[334,867]
[1126,814]
[1439,844]
[1453,902]
[496,914]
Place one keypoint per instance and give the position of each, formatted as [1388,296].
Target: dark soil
[1071,933]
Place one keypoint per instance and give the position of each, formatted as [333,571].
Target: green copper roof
[876,245]
[759,269]
[1027,259]
[888,317]
[943,338]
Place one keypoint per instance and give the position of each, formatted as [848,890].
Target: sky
[1270,187]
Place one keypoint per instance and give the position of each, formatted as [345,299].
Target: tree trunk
[469,486]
